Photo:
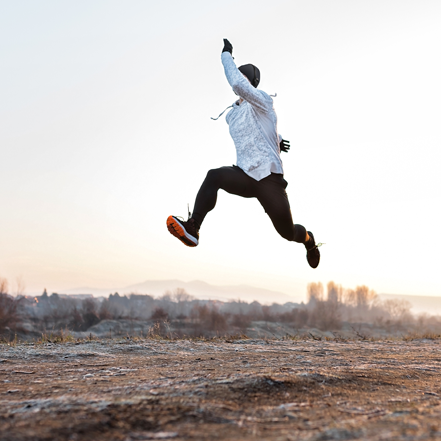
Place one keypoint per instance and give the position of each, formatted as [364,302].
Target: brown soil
[238,390]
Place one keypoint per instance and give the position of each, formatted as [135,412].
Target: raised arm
[240,85]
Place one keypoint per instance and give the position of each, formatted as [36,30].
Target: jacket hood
[252,73]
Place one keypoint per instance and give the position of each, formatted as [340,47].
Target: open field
[221,390]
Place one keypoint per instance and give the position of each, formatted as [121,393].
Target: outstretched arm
[240,85]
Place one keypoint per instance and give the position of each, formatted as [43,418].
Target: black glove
[228,47]
[284,145]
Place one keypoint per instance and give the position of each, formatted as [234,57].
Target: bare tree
[166,297]
[362,297]
[335,292]
[20,286]
[3,285]
[325,315]
[9,314]
[181,295]
[314,292]
[397,308]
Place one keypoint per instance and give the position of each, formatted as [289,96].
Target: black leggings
[270,192]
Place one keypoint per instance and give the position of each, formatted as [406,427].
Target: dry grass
[161,332]
[422,336]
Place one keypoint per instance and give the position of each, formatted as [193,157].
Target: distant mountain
[203,290]
[197,288]
[96,292]
[428,304]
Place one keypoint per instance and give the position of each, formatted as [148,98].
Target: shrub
[9,314]
[241,321]
[159,315]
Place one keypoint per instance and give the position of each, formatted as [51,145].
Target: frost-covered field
[226,390]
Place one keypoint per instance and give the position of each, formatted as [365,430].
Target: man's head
[252,73]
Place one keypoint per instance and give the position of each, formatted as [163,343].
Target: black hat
[252,73]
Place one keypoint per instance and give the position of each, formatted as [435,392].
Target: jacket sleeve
[242,87]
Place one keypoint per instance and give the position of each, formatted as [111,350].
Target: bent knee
[214,176]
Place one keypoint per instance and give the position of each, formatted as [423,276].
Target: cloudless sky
[105,131]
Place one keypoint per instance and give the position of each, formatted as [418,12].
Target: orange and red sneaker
[187,232]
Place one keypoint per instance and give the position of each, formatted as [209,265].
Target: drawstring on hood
[215,119]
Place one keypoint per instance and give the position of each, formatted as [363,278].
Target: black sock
[310,243]
[198,226]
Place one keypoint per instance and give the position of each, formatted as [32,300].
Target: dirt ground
[221,390]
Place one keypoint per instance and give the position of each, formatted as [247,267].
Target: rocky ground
[221,390]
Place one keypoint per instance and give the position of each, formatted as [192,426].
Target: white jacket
[253,126]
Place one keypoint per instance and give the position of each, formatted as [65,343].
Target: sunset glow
[106,131]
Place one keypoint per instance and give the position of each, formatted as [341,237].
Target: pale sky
[105,131]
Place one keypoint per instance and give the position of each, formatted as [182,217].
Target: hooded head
[252,73]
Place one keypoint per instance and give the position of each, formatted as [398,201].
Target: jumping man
[259,171]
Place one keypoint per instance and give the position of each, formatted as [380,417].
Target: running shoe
[187,232]
[312,252]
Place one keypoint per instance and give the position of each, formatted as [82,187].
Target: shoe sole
[177,229]
[313,265]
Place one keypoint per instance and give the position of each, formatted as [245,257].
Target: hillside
[197,288]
